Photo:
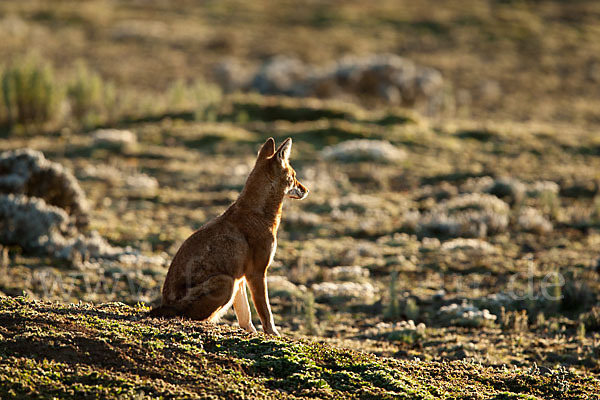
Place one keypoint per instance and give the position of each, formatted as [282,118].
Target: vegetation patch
[49,350]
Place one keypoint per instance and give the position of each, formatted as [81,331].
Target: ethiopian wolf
[211,269]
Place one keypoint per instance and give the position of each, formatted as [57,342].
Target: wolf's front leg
[242,308]
[260,297]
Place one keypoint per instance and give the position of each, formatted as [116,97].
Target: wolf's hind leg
[206,299]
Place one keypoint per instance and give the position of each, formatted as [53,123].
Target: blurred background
[451,149]
[517,60]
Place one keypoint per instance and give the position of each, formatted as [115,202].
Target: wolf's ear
[283,152]
[267,149]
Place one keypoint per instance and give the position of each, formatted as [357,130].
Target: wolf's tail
[163,311]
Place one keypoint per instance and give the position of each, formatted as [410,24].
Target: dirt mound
[112,350]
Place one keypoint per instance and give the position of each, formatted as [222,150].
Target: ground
[113,350]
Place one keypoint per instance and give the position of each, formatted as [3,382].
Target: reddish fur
[212,266]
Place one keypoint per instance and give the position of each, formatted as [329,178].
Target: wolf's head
[277,165]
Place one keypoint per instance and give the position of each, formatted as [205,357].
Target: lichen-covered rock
[532,220]
[348,273]
[364,150]
[462,244]
[29,222]
[384,77]
[467,215]
[28,172]
[36,226]
[43,208]
[507,188]
[118,139]
[280,286]
[141,182]
[331,291]
[510,189]
[402,331]
[465,314]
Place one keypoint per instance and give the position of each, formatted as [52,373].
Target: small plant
[540,320]
[596,210]
[552,293]
[515,321]
[577,294]
[177,95]
[411,308]
[30,93]
[581,332]
[111,101]
[200,96]
[550,202]
[466,314]
[393,310]
[407,332]
[310,314]
[591,319]
[85,93]
[206,96]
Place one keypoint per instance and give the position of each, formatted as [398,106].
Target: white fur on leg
[216,316]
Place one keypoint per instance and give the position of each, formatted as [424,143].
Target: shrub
[30,93]
[115,139]
[85,93]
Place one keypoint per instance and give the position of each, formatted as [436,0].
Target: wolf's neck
[261,199]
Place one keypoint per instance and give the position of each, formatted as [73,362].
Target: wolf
[210,270]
